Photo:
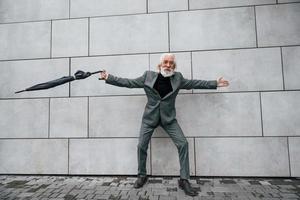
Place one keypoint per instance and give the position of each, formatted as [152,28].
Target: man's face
[168,63]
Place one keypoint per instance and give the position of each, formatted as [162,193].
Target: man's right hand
[103,75]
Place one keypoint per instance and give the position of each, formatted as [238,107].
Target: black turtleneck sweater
[163,85]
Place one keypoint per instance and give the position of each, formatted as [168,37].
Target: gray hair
[162,57]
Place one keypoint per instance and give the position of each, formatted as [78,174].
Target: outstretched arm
[123,82]
[203,84]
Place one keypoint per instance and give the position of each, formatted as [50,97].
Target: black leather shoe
[187,188]
[141,180]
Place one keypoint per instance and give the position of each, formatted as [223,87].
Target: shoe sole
[186,193]
[141,185]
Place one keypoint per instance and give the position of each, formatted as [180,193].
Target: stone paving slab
[14,187]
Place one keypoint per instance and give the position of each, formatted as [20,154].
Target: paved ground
[157,188]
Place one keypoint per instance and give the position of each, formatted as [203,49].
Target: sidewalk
[157,188]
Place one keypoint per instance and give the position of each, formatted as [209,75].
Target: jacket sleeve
[125,82]
[197,84]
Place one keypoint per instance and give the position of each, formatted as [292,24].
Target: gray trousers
[177,136]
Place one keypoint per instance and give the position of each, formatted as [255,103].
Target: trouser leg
[144,139]
[181,143]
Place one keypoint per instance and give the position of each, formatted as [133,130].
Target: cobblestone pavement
[157,188]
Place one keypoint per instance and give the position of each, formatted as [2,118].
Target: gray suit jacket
[160,110]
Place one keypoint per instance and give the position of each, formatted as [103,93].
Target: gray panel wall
[129,34]
[25,40]
[273,29]
[34,156]
[32,10]
[260,156]
[90,156]
[88,8]
[21,74]
[24,118]
[70,38]
[89,127]
[195,4]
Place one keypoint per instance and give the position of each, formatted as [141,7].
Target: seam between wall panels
[192,71]
[149,65]
[169,39]
[140,95]
[83,138]
[261,115]
[49,114]
[255,26]
[69,9]
[68,155]
[69,75]
[154,52]
[151,170]
[89,35]
[195,163]
[51,27]
[282,69]
[88,117]
[289,159]
[147,6]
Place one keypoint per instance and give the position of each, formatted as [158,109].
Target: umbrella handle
[97,72]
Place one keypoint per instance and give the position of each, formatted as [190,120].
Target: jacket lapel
[150,81]
[153,80]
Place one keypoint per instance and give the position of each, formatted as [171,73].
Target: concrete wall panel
[70,38]
[165,159]
[196,4]
[278,25]
[36,156]
[24,118]
[167,5]
[246,70]
[19,75]
[87,8]
[32,10]
[242,157]
[116,116]
[68,117]
[281,113]
[131,66]
[294,149]
[229,114]
[25,40]
[212,29]
[129,34]
[291,67]
[104,156]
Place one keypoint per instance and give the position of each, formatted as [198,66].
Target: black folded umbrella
[65,79]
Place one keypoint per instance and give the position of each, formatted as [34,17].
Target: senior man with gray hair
[161,89]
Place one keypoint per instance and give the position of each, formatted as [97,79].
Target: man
[161,89]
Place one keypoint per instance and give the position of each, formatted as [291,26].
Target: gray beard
[166,73]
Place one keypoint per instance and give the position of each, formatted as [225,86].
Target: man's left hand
[222,82]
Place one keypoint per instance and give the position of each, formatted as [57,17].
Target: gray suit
[161,111]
